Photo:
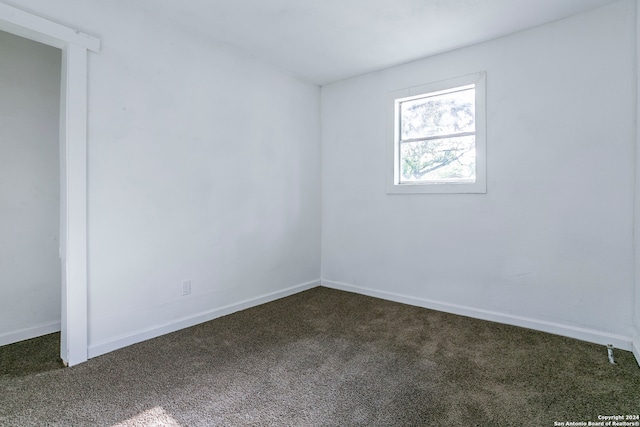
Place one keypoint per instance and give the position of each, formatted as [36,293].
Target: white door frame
[73,168]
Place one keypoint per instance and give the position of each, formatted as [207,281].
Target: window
[437,137]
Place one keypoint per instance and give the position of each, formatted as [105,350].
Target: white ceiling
[322,41]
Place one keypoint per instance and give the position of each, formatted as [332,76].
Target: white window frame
[394,184]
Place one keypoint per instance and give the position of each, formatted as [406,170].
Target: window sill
[444,188]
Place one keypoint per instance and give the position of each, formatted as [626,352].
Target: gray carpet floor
[324,358]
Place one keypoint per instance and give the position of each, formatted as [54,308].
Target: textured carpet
[324,358]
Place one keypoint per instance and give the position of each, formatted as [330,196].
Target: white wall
[29,189]
[203,165]
[550,245]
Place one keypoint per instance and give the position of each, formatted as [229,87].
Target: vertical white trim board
[583,334]
[28,333]
[73,137]
[73,168]
[186,322]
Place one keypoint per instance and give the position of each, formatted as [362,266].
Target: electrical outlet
[186,287]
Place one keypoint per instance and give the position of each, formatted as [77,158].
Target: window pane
[446,160]
[438,115]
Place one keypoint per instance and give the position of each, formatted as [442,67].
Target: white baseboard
[583,334]
[186,322]
[30,332]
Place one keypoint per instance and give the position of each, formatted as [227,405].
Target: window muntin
[438,137]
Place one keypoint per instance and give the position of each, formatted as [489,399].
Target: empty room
[319,213]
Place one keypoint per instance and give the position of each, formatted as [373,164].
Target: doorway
[30,272]
[75,46]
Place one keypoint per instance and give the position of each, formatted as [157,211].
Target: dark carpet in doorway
[30,357]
